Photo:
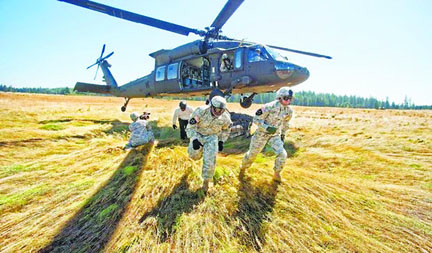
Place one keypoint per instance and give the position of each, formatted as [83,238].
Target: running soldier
[272,121]
[182,114]
[208,128]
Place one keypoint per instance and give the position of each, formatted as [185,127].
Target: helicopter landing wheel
[123,108]
[246,102]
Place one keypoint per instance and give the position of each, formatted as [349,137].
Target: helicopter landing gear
[123,108]
[246,102]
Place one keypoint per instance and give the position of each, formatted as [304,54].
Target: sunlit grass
[355,180]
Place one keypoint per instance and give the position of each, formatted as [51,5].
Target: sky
[380,48]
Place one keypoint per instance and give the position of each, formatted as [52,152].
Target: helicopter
[214,65]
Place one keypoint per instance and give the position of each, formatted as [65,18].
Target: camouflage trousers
[208,152]
[258,142]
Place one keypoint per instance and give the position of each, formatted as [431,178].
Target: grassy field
[356,180]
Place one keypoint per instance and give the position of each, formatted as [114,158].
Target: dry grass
[356,180]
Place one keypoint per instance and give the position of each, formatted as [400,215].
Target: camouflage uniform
[141,133]
[209,130]
[272,114]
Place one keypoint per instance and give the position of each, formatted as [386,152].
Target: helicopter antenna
[100,60]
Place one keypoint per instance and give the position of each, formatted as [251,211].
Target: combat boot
[205,186]
[242,172]
[277,177]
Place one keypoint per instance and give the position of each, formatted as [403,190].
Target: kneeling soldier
[208,128]
[272,120]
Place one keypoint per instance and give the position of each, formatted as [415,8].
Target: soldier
[226,63]
[182,114]
[209,126]
[272,120]
[141,130]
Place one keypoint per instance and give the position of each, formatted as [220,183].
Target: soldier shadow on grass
[256,203]
[169,210]
[93,225]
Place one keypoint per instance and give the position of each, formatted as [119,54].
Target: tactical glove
[196,144]
[174,126]
[220,146]
[271,129]
[282,137]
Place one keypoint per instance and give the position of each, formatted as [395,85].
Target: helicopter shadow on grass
[169,210]
[256,203]
[93,225]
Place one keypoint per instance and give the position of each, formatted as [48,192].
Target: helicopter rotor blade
[106,57]
[97,62]
[227,11]
[96,72]
[134,17]
[301,52]
[103,50]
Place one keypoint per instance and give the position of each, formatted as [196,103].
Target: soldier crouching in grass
[208,128]
[272,120]
[141,132]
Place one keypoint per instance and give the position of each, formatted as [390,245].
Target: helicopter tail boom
[94,88]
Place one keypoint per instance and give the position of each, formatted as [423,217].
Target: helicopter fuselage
[185,72]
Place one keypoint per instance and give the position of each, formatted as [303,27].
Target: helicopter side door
[231,67]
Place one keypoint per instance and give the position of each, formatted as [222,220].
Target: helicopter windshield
[257,53]
[276,55]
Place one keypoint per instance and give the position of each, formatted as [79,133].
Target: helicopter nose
[302,74]
[292,73]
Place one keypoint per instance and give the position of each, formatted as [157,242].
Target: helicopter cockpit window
[160,73]
[172,71]
[257,54]
[275,54]
[238,58]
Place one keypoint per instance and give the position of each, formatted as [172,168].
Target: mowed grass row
[355,180]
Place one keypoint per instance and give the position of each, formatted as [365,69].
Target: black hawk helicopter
[215,65]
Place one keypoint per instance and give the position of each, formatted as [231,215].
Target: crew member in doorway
[226,63]
[182,114]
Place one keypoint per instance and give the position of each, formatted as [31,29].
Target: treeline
[303,98]
[64,91]
[309,98]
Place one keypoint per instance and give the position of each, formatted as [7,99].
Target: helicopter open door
[195,74]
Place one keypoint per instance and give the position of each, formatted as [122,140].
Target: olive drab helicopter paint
[214,65]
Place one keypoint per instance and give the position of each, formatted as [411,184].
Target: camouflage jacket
[273,114]
[141,132]
[202,123]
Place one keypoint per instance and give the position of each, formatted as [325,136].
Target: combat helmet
[218,106]
[134,116]
[182,105]
[284,93]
